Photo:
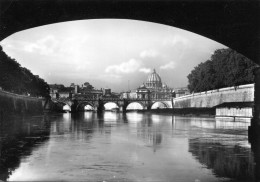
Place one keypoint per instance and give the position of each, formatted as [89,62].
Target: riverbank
[14,104]
[182,111]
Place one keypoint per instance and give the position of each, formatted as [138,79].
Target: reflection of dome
[154,80]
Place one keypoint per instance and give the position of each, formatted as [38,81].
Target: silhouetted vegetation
[225,68]
[20,80]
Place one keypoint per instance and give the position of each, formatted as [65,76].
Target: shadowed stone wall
[211,98]
[11,103]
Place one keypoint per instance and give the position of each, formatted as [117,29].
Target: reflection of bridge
[78,104]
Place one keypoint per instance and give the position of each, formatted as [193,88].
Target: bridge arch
[81,106]
[160,105]
[135,106]
[61,106]
[66,108]
[110,105]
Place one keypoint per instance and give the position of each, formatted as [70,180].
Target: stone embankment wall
[211,98]
[11,103]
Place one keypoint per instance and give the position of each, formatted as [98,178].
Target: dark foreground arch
[232,23]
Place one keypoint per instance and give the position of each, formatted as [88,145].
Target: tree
[225,68]
[18,79]
[88,86]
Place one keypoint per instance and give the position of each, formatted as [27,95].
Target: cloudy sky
[109,53]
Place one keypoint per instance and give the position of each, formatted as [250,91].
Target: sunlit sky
[109,52]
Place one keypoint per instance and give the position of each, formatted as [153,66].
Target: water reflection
[233,162]
[126,147]
[227,124]
[19,137]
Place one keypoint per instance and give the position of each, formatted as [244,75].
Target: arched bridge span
[98,104]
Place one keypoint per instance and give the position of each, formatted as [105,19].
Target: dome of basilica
[154,80]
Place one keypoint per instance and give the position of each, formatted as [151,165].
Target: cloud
[45,46]
[148,54]
[30,47]
[177,39]
[170,65]
[145,70]
[126,67]
[110,78]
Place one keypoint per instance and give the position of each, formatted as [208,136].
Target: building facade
[86,90]
[153,88]
[181,91]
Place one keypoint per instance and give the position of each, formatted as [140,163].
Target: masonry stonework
[11,103]
[211,98]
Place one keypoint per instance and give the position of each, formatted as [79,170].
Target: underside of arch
[163,103]
[116,104]
[81,106]
[129,108]
[59,106]
[232,23]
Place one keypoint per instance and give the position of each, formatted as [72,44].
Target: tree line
[225,68]
[20,80]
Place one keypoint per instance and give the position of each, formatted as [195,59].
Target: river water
[125,147]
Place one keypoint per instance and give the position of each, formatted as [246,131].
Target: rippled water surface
[125,147]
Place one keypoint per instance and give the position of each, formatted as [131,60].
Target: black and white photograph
[130,91]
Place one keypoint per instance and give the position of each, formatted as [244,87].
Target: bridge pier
[125,104]
[100,107]
[148,107]
[254,129]
[74,106]
[47,105]
[95,109]
[121,109]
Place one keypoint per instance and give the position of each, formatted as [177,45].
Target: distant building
[64,94]
[76,89]
[107,91]
[153,88]
[91,94]
[85,91]
[128,94]
[181,91]
[60,91]
[143,92]
[108,94]
[58,86]
[54,89]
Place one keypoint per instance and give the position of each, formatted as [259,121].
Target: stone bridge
[78,103]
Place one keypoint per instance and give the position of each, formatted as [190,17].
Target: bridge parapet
[162,99]
[211,98]
[109,99]
[61,100]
